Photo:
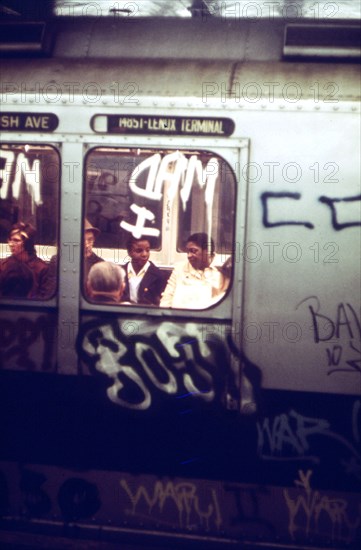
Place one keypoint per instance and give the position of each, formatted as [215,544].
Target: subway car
[231,423]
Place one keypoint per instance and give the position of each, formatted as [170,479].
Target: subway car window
[158,227]
[29,179]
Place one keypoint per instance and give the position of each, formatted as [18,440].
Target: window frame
[229,152]
[52,301]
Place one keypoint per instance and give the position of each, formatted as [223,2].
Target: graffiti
[78,499]
[336,353]
[139,229]
[287,437]
[173,170]
[36,500]
[265,197]
[17,167]
[19,338]
[248,508]
[112,502]
[316,511]
[182,495]
[345,325]
[330,202]
[173,360]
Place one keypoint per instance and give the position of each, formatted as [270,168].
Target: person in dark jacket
[23,260]
[16,280]
[144,280]
[90,258]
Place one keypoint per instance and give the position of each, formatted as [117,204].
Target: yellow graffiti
[183,495]
[309,508]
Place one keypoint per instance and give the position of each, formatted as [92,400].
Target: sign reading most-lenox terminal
[144,124]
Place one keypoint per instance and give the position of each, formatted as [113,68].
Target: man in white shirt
[145,281]
[196,283]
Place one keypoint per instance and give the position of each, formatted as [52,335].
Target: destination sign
[177,125]
[28,122]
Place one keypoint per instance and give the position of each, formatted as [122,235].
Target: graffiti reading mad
[17,167]
[173,170]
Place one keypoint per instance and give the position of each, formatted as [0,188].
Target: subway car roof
[238,40]
[172,57]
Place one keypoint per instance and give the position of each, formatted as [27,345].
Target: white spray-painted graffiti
[165,496]
[173,359]
[312,507]
[16,167]
[175,170]
[287,437]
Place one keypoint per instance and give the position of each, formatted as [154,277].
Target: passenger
[90,258]
[144,280]
[226,276]
[106,282]
[196,283]
[226,271]
[21,241]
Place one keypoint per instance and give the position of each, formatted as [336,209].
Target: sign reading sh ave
[28,122]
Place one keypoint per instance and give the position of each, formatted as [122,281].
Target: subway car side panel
[237,424]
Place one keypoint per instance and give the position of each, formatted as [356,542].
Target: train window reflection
[167,217]
[29,177]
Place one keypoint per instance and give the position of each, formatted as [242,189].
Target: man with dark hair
[196,283]
[144,280]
